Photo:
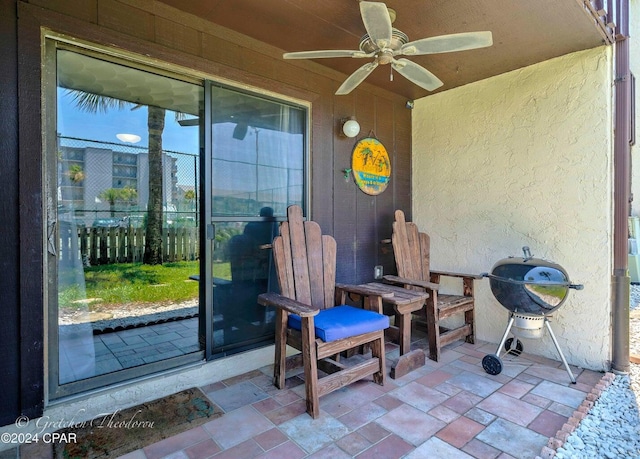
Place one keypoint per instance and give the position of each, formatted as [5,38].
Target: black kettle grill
[531,289]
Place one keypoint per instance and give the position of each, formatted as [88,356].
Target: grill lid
[530,285]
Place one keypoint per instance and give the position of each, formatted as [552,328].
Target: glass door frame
[207,234]
[51,41]
[55,391]
[207,227]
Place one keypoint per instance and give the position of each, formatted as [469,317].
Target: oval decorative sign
[371,166]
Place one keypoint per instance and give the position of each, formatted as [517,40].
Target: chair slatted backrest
[305,261]
[410,248]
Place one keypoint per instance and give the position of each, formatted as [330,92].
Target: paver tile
[462,402]
[513,439]
[510,408]
[480,450]
[237,426]
[313,434]
[516,388]
[419,396]
[270,439]
[475,384]
[460,431]
[410,424]
[436,448]
[353,444]
[288,450]
[559,393]
[202,450]
[241,394]
[362,415]
[176,443]
[548,423]
[391,447]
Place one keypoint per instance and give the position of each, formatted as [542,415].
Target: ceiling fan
[383,43]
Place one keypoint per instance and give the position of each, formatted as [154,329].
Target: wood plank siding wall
[146,27]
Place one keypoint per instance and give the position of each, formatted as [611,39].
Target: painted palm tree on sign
[94,103]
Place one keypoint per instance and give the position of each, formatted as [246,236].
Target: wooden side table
[405,302]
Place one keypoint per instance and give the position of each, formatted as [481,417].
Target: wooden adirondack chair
[411,251]
[307,319]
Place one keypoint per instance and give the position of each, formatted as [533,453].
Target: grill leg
[555,342]
[506,333]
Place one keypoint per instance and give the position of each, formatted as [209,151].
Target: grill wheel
[492,364]
[517,350]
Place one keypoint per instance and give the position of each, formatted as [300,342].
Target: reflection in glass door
[123,219]
[257,168]
[126,216]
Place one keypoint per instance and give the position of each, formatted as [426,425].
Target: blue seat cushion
[342,322]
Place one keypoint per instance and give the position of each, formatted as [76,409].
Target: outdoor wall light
[350,128]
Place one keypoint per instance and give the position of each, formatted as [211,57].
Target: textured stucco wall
[525,159]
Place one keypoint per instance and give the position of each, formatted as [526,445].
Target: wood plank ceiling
[524,32]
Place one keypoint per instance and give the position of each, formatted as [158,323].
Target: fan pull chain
[390,73]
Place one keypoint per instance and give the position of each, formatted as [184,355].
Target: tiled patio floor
[450,409]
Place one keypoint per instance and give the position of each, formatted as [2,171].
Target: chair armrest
[450,274]
[415,282]
[289,305]
[364,290]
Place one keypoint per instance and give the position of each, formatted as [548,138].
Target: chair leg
[310,363]
[468,319]
[468,287]
[403,322]
[279,364]
[433,329]
[377,350]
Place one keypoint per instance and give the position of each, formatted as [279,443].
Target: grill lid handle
[528,282]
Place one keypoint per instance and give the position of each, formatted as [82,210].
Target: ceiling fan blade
[377,21]
[447,43]
[356,78]
[416,74]
[326,53]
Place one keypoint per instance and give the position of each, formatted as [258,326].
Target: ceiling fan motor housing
[398,38]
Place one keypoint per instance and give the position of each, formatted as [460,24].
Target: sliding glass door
[123,217]
[163,195]
[257,168]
